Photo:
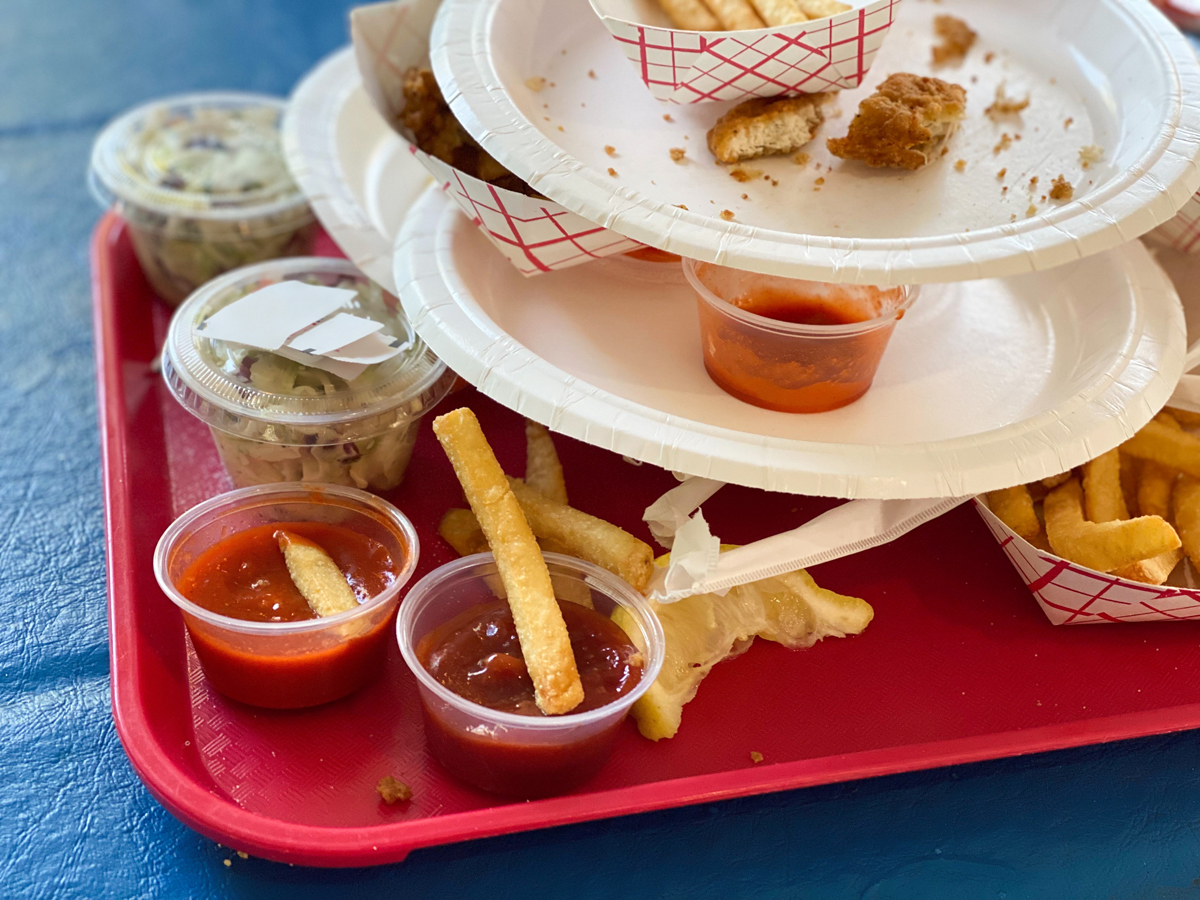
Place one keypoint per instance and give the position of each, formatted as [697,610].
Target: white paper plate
[1125,75]
[985,384]
[355,170]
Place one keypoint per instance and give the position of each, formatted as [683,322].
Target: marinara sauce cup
[792,345]
[288,665]
[507,753]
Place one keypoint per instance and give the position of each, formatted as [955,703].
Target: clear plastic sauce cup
[288,665]
[202,182]
[276,420]
[792,345]
[508,753]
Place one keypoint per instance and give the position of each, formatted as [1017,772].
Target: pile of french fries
[740,15]
[1133,512]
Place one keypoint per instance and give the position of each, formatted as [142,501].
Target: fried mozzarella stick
[1014,507]
[1103,499]
[735,15]
[1103,546]
[690,15]
[820,9]
[779,12]
[316,576]
[586,537]
[460,529]
[543,470]
[541,630]
[1172,447]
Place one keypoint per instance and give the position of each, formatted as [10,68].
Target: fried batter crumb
[536,83]
[1033,183]
[960,165]
[755,757]
[1090,154]
[1031,210]
[667,117]
[1001,173]
[801,159]
[610,149]
[819,181]
[1061,189]
[677,154]
[1003,144]
[957,38]
[727,215]
[680,206]
[392,791]
[988,57]
[745,196]
[766,126]
[1067,123]
[612,172]
[1005,105]
[560,128]
[904,124]
[1004,190]
[743,175]
[591,73]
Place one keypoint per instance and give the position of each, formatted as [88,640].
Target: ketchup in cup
[481,722]
[792,345]
[256,635]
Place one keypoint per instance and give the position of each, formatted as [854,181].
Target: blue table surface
[1121,820]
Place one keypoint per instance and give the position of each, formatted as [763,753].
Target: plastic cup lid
[222,382]
[213,156]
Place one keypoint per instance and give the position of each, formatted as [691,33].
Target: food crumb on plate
[957,38]
[1031,210]
[1005,105]
[667,117]
[743,175]
[819,181]
[1003,144]
[1002,173]
[610,149]
[727,215]
[801,159]
[680,206]
[612,171]
[960,165]
[391,790]
[745,196]
[755,757]
[536,83]
[1061,189]
[591,73]
[988,57]
[1090,154]
[677,154]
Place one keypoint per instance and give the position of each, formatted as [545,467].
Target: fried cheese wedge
[316,576]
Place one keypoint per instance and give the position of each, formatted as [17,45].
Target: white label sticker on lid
[333,333]
[269,316]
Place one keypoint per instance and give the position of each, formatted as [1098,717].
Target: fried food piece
[765,126]
[957,38]
[690,15]
[735,15]
[1154,487]
[392,791]
[1014,507]
[1184,417]
[1103,499]
[543,470]
[1169,446]
[316,576]
[1055,480]
[1103,546]
[822,9]
[460,529]
[779,12]
[904,124]
[586,537]
[1005,105]
[541,631]
[1152,571]
[1186,498]
[1061,189]
[436,131]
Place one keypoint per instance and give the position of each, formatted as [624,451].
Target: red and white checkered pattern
[1071,594]
[535,235]
[1183,231]
[804,58]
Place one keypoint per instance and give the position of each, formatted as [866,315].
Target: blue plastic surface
[1116,821]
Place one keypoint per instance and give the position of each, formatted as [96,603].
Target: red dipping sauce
[477,656]
[244,576]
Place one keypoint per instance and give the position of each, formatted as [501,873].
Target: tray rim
[1152,191]
[222,820]
[481,351]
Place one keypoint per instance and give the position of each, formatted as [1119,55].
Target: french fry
[1152,571]
[779,12]
[460,529]
[541,631]
[1014,507]
[543,471]
[1184,417]
[1103,546]
[316,576]
[735,15]
[1055,480]
[586,537]
[1186,498]
[1102,496]
[1155,483]
[819,9]
[690,15]
[1169,446]
[1131,468]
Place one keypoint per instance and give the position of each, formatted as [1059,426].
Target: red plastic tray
[959,664]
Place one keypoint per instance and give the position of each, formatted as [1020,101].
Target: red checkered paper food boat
[803,58]
[1071,594]
[535,234]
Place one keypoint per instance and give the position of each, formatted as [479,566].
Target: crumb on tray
[392,791]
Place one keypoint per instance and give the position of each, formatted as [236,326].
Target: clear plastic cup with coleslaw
[202,183]
[276,420]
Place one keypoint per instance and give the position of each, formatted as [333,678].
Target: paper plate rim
[461,334]
[1142,197]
